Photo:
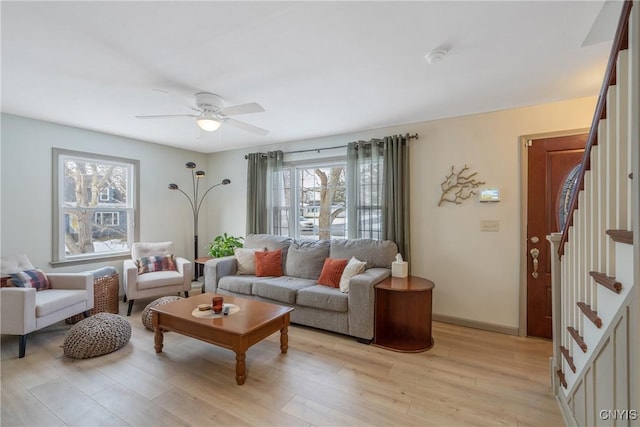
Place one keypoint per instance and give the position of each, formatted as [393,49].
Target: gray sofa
[319,306]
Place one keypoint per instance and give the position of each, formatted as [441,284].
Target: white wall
[476,273]
[26,203]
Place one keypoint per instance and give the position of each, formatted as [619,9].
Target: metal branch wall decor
[457,186]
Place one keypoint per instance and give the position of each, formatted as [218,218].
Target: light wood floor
[469,378]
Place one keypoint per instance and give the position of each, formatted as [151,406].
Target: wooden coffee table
[238,331]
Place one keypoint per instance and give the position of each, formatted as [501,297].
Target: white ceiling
[318,68]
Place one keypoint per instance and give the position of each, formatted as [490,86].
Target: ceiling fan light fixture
[208,122]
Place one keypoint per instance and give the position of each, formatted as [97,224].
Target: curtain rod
[414,136]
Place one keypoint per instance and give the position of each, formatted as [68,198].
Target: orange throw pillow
[332,272]
[269,263]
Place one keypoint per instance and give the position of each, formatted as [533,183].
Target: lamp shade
[208,122]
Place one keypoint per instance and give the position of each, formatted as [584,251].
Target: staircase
[596,326]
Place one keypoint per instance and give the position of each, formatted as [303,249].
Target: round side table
[403,314]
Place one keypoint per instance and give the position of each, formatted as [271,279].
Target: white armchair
[154,283]
[23,310]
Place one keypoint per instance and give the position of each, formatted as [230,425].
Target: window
[368,199]
[315,195]
[104,195]
[106,219]
[95,205]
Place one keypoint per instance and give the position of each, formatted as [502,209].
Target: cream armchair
[23,310]
[154,283]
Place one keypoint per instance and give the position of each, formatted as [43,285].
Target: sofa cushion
[51,300]
[238,284]
[269,263]
[332,272]
[269,242]
[14,263]
[376,253]
[141,249]
[158,279]
[281,288]
[324,298]
[306,258]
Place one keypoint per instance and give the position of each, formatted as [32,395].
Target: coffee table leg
[158,335]
[158,338]
[241,368]
[284,339]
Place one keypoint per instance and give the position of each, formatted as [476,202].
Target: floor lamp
[196,203]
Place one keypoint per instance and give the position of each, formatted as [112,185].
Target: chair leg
[23,346]
[130,307]
[124,298]
[186,294]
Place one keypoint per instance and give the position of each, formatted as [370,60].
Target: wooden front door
[553,164]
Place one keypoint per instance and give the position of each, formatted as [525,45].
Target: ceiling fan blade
[164,116]
[246,126]
[252,107]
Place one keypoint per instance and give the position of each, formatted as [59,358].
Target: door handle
[535,252]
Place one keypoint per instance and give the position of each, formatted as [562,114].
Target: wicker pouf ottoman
[99,334]
[147,314]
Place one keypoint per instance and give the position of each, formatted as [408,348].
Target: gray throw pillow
[306,258]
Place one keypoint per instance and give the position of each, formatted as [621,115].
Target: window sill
[89,260]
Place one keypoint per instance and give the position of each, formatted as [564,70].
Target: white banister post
[556,308]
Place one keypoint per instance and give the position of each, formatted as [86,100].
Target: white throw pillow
[355,266]
[246,260]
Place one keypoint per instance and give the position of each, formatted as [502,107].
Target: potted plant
[224,245]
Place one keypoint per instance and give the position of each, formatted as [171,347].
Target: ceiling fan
[212,114]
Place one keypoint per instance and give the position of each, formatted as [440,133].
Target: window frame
[295,202]
[113,215]
[59,255]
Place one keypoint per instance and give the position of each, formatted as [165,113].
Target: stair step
[590,314]
[621,236]
[568,358]
[562,380]
[576,336]
[608,282]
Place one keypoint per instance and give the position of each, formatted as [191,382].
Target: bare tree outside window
[322,201]
[95,202]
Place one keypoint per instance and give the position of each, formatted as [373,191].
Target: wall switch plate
[489,225]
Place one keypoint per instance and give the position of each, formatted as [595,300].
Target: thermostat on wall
[489,195]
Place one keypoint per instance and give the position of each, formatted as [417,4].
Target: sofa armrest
[18,310]
[362,301]
[184,267]
[216,268]
[130,273]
